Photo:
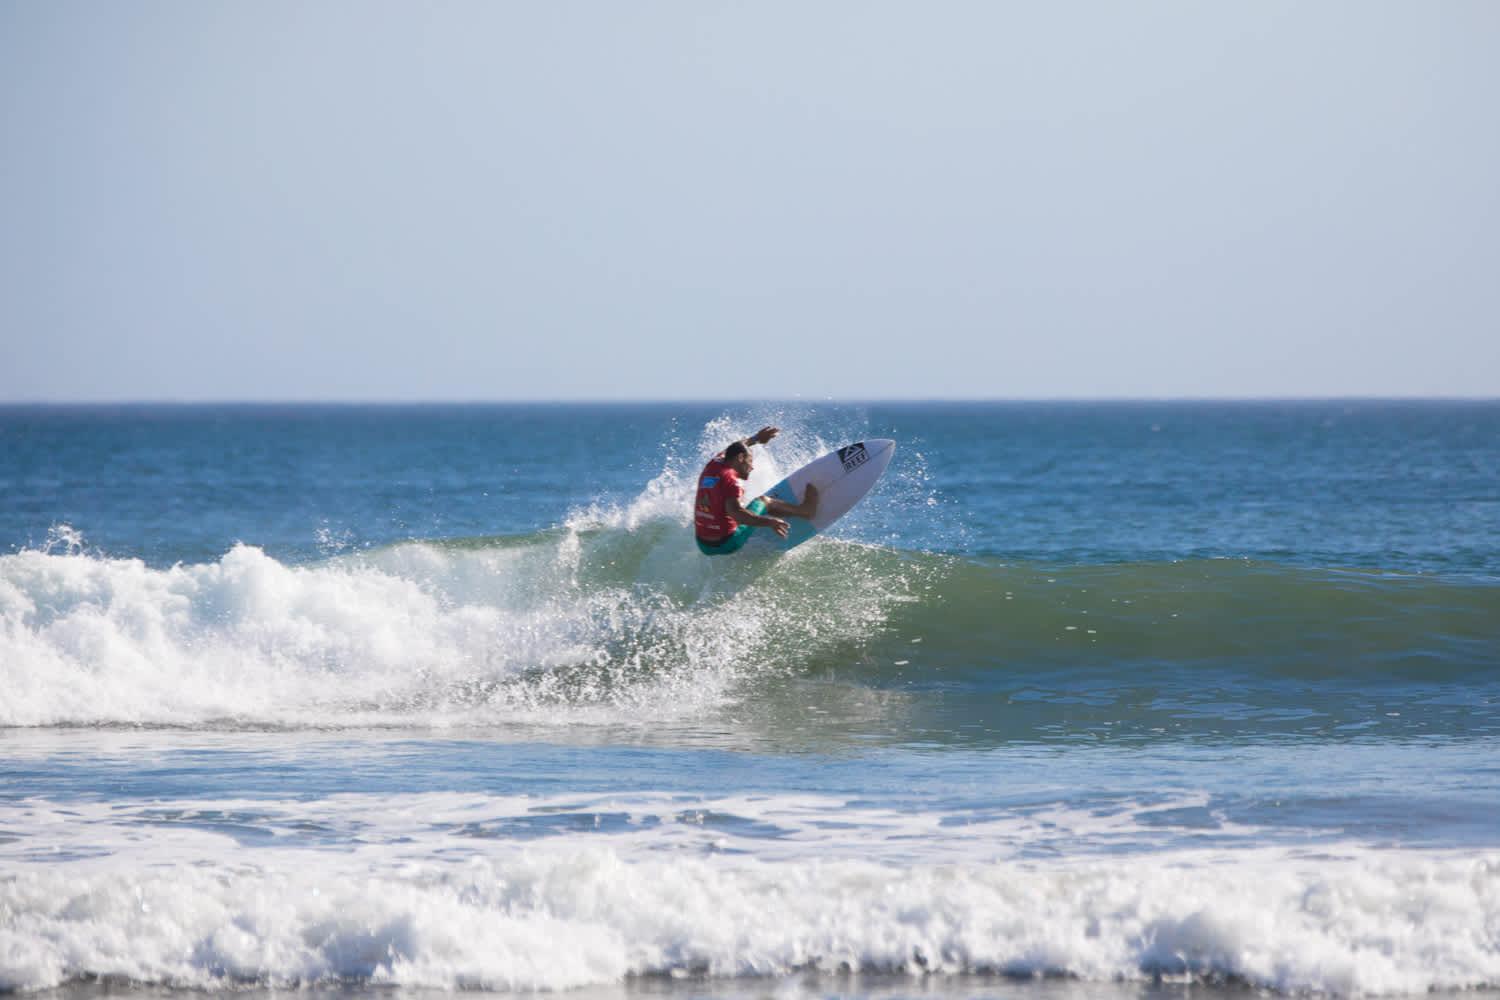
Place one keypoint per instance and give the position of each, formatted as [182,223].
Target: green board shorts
[736,541]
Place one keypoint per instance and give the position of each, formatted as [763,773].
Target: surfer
[721,521]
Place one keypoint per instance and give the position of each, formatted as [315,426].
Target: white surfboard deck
[842,477]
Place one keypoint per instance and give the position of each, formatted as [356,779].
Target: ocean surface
[1129,700]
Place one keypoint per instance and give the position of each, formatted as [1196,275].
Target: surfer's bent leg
[806,509]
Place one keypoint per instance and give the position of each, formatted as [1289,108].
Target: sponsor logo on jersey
[709,482]
[853,456]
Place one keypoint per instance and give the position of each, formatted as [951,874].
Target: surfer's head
[738,458]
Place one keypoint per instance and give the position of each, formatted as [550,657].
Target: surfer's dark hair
[734,451]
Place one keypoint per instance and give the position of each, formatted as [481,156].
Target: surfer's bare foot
[809,506]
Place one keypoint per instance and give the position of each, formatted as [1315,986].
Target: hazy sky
[507,200]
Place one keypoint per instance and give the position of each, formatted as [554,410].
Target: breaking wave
[616,620]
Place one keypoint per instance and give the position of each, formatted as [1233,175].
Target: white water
[436,903]
[416,635]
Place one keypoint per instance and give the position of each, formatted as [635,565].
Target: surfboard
[842,477]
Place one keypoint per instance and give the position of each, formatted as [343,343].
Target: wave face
[1286,620]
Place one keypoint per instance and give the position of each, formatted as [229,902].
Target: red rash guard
[717,483]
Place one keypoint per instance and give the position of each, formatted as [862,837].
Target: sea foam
[446,890]
[553,919]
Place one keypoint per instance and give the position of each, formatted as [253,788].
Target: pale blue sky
[375,201]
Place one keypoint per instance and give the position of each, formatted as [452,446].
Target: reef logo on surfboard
[853,456]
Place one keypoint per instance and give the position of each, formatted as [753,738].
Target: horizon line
[740,401]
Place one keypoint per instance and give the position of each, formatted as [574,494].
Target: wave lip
[1367,924]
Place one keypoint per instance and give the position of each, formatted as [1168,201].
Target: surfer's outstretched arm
[807,508]
[761,436]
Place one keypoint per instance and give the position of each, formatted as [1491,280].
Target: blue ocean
[1084,700]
